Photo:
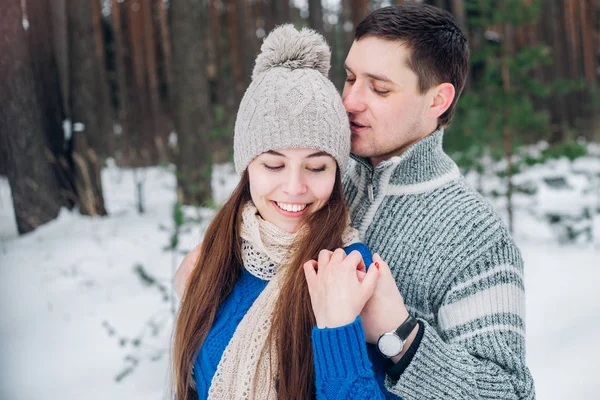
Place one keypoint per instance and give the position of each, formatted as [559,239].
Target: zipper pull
[370,189]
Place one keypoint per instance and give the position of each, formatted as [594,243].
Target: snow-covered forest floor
[86,303]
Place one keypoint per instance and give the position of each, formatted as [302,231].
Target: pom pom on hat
[290,102]
[286,47]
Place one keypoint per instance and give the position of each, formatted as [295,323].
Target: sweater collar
[423,163]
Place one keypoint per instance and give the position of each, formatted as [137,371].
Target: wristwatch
[390,344]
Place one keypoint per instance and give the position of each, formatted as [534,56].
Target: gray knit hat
[291,103]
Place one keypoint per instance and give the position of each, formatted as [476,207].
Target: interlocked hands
[342,288]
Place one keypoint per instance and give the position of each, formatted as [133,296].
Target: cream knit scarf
[248,366]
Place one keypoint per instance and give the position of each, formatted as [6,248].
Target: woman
[246,326]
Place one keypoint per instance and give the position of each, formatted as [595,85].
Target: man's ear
[442,96]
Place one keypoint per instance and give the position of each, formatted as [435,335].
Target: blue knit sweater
[346,367]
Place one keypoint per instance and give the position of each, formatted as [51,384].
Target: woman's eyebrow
[273,152]
[318,154]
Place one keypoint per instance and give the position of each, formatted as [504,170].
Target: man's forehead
[379,44]
[380,59]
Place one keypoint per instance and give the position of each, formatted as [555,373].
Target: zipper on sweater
[370,188]
[370,171]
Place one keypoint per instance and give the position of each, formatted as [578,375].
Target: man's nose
[353,98]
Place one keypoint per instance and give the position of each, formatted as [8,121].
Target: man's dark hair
[438,48]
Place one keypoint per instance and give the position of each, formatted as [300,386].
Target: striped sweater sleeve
[477,350]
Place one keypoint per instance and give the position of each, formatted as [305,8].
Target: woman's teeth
[291,207]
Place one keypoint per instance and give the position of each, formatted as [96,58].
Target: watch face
[389,344]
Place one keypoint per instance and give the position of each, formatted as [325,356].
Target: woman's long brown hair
[216,273]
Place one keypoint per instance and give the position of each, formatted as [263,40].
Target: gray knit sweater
[457,269]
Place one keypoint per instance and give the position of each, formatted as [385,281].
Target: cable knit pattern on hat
[291,103]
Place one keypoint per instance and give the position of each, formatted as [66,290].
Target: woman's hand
[337,294]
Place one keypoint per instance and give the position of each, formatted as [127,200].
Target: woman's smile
[291,209]
[289,184]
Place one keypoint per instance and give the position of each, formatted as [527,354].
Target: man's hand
[337,294]
[185,270]
[385,310]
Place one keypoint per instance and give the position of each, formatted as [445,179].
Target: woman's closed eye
[273,167]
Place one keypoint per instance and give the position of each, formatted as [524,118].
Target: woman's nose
[294,184]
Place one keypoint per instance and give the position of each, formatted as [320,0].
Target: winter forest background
[115,144]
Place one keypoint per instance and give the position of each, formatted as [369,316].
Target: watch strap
[394,371]
[406,327]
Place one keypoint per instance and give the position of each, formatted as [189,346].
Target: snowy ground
[87,313]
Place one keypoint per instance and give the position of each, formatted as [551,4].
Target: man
[457,270]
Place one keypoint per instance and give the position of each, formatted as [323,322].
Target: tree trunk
[35,190]
[192,108]
[460,15]
[266,10]
[123,151]
[106,146]
[215,19]
[88,107]
[154,117]
[44,23]
[343,37]
[440,4]
[220,88]
[164,71]
[60,40]
[360,9]
[315,15]
[571,22]
[229,81]
[247,32]
[140,102]
[281,11]
[588,13]
[573,62]
[559,71]
[235,53]
[137,120]
[165,43]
